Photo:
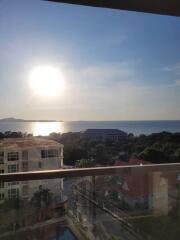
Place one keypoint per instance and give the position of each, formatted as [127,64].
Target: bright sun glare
[46,81]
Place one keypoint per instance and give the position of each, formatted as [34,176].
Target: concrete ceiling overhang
[165,7]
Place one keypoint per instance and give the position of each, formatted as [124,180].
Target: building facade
[29,154]
[104,134]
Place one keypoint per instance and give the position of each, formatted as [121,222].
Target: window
[25,190]
[25,166]
[51,153]
[1,184]
[1,196]
[1,171]
[24,155]
[43,153]
[13,156]
[13,168]
[12,183]
[1,157]
[13,193]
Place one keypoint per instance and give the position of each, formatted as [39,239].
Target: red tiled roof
[135,184]
[132,161]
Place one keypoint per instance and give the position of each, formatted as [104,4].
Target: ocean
[135,127]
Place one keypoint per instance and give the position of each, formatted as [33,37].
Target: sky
[116,65]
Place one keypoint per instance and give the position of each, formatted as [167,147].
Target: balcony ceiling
[165,7]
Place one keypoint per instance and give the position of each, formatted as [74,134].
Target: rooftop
[104,131]
[27,142]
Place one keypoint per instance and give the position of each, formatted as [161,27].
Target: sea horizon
[14,119]
[136,127]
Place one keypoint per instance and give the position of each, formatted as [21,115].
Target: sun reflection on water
[45,128]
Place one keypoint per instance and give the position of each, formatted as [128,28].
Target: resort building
[104,134]
[29,154]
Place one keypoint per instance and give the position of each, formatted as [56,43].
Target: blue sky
[117,65]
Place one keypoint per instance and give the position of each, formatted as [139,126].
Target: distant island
[11,119]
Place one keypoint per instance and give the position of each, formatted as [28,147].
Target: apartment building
[29,154]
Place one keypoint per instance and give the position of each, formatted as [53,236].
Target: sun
[46,81]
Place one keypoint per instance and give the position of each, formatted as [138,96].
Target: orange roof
[27,142]
[132,161]
[135,184]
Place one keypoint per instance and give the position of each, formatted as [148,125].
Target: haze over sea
[135,127]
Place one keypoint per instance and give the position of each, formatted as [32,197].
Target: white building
[29,154]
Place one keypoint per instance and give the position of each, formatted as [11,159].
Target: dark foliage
[9,134]
[157,148]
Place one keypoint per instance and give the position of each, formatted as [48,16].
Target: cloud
[173,68]
[177,82]
[118,71]
[102,75]
[102,85]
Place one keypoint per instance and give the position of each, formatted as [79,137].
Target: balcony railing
[132,202]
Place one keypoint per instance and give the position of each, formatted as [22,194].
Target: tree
[114,238]
[42,201]
[101,155]
[42,198]
[71,154]
[85,163]
[153,155]
[1,135]
[178,154]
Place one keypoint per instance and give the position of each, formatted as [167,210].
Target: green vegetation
[157,148]
[85,163]
[150,154]
[159,228]
[9,134]
[114,238]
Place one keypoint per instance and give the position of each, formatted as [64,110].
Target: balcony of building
[129,202]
